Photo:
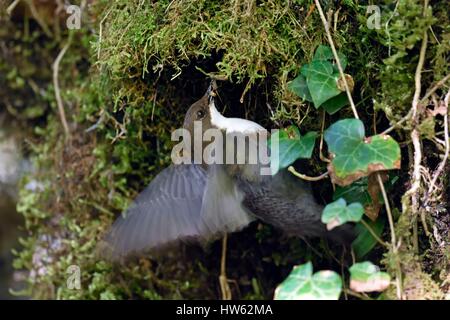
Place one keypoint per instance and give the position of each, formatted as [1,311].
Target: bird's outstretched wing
[176,206]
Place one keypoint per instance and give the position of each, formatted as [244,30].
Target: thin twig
[59,101]
[12,6]
[321,156]
[388,211]
[423,100]
[393,237]
[418,75]
[336,57]
[369,228]
[168,7]
[415,135]
[416,177]
[441,167]
[357,295]
[224,287]
[100,33]
[435,87]
[38,18]
[305,177]
[398,123]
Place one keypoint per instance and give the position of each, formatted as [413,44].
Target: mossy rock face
[126,81]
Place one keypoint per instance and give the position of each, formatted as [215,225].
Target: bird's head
[201,110]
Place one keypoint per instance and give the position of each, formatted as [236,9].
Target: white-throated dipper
[203,201]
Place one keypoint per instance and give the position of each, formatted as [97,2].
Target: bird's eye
[200,114]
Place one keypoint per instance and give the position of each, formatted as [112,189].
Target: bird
[201,201]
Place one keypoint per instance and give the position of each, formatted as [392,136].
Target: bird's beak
[211,92]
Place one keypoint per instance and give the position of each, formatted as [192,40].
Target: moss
[402,36]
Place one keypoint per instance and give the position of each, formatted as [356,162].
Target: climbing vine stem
[305,177]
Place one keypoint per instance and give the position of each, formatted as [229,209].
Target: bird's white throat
[231,124]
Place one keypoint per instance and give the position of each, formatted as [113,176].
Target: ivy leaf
[338,212]
[343,60]
[301,284]
[304,70]
[365,241]
[366,277]
[300,88]
[318,81]
[335,104]
[355,156]
[365,191]
[291,146]
[355,192]
[325,53]
[321,80]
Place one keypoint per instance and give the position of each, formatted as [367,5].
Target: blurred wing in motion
[173,208]
[222,209]
[167,210]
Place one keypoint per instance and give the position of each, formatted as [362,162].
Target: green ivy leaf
[325,53]
[355,156]
[343,60]
[338,212]
[358,191]
[317,81]
[304,70]
[300,88]
[291,146]
[365,241]
[366,277]
[321,80]
[335,104]
[355,192]
[301,284]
